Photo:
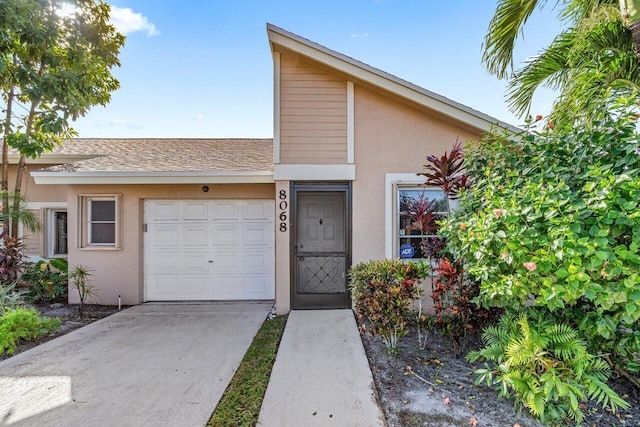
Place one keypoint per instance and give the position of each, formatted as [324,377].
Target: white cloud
[127,21]
[124,123]
[199,116]
[359,35]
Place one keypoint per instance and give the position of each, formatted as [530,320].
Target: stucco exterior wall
[390,137]
[313,114]
[39,197]
[37,193]
[119,271]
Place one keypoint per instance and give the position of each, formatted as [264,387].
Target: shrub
[10,297]
[453,295]
[11,259]
[382,292]
[46,281]
[23,324]
[553,221]
[546,366]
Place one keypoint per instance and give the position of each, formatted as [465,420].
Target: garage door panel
[228,287]
[164,235]
[258,234]
[195,234]
[225,210]
[226,234]
[227,262]
[209,250]
[164,288]
[257,262]
[163,211]
[195,210]
[258,287]
[195,287]
[256,211]
[194,262]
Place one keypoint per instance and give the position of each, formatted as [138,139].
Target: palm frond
[505,27]
[549,69]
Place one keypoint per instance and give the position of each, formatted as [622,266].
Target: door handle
[210,261]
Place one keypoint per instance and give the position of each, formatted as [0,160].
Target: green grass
[240,404]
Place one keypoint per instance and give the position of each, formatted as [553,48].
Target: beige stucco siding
[390,137]
[39,197]
[37,193]
[313,114]
[120,271]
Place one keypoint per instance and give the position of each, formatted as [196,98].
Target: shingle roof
[165,155]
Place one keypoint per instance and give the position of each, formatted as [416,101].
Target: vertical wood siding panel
[313,115]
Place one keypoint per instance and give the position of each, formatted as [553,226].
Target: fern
[545,366]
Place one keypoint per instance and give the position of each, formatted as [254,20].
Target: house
[253,219]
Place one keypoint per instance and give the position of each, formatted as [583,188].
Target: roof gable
[383,80]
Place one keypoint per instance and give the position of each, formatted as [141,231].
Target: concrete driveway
[148,365]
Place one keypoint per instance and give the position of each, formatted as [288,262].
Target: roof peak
[374,76]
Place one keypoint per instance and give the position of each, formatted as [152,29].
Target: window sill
[100,248]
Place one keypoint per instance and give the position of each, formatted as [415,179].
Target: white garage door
[209,250]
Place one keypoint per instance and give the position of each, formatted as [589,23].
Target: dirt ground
[70,318]
[447,395]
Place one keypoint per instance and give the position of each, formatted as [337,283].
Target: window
[417,208]
[402,190]
[56,233]
[100,216]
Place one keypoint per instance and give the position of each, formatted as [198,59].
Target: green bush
[10,297]
[553,221]
[546,366]
[382,292]
[46,280]
[23,324]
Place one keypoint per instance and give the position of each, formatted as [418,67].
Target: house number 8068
[282,195]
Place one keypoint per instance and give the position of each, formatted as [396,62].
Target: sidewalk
[321,375]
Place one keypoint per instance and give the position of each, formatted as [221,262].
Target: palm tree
[592,62]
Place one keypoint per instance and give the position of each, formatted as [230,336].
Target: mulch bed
[449,396]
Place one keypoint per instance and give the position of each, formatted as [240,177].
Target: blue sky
[203,68]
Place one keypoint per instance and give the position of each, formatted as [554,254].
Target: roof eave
[381,79]
[113,178]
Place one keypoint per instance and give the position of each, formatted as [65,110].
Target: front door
[321,246]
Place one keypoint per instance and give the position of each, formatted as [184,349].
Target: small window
[417,209]
[100,221]
[56,233]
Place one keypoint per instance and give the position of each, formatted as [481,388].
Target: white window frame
[393,182]
[50,231]
[84,204]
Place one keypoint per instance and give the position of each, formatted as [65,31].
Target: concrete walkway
[150,365]
[321,376]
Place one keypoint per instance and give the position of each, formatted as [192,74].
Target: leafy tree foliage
[54,66]
[552,221]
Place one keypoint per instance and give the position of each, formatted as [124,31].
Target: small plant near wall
[79,277]
[11,259]
[382,293]
[546,366]
[453,294]
[46,280]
